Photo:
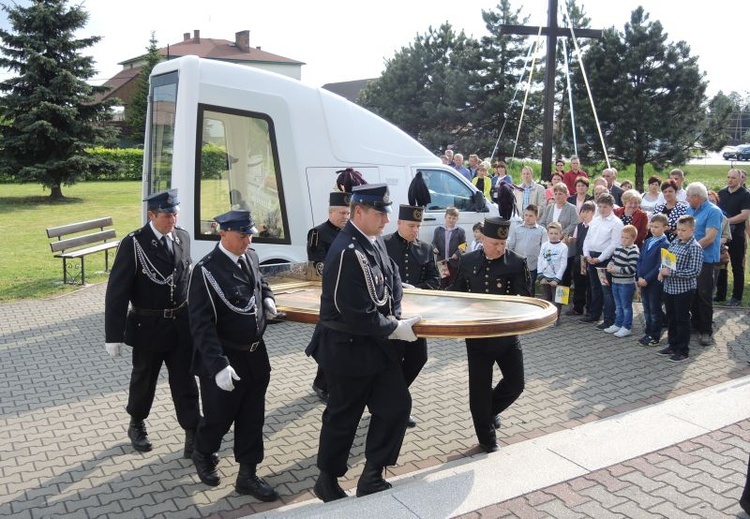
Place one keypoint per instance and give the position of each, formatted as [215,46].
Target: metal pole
[549,91]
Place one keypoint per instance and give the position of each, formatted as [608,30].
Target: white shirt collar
[157,233]
[371,238]
[231,255]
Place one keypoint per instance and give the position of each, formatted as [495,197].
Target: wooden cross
[552,31]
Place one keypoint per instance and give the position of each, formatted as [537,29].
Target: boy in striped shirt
[680,285]
[622,268]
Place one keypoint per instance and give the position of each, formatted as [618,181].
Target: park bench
[72,244]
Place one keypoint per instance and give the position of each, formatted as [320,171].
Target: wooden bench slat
[82,252]
[80,241]
[98,223]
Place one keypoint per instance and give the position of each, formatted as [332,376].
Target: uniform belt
[167,313]
[239,346]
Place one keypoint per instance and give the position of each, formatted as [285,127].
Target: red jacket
[640,221]
[569,178]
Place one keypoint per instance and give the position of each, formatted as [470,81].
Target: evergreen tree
[649,95]
[50,111]
[135,112]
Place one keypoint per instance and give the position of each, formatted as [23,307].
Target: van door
[446,190]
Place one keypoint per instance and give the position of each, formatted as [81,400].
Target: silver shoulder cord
[368,281]
[151,272]
[246,310]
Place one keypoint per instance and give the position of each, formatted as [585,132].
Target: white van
[230,136]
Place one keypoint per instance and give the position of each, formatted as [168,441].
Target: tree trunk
[56,192]
[639,177]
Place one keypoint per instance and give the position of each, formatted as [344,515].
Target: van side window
[447,190]
[238,168]
[161,137]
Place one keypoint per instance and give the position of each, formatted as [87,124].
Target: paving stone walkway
[64,450]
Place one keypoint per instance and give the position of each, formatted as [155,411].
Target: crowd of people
[589,251]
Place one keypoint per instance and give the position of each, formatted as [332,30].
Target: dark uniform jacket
[361,295]
[416,262]
[506,275]
[319,240]
[226,312]
[458,236]
[145,275]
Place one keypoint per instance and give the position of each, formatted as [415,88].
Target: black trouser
[678,319]
[386,396]
[703,307]
[737,248]
[245,406]
[484,400]
[581,295]
[413,358]
[320,380]
[746,490]
[146,366]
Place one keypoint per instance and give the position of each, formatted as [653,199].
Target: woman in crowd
[482,181]
[671,207]
[626,184]
[582,193]
[652,197]
[631,214]
[556,179]
[501,173]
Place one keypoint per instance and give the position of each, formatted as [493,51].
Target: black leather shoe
[371,481]
[496,421]
[249,484]
[139,437]
[411,422]
[205,466]
[187,452]
[322,393]
[489,447]
[588,319]
[327,488]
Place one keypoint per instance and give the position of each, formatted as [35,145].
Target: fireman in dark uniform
[493,270]
[360,307]
[151,273]
[416,266]
[229,305]
[319,240]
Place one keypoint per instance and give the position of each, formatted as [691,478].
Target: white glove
[270,305]
[404,332]
[114,348]
[407,285]
[225,377]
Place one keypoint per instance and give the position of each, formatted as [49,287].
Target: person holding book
[681,264]
[649,264]
[526,240]
[622,268]
[448,243]
[551,264]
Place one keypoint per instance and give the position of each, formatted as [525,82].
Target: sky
[347,40]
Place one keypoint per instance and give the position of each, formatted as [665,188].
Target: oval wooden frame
[536,314]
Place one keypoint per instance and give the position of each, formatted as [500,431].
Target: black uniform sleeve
[203,323]
[520,283]
[430,275]
[119,286]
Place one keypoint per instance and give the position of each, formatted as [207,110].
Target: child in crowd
[649,264]
[581,293]
[477,229]
[448,243]
[623,268]
[551,264]
[680,285]
[526,241]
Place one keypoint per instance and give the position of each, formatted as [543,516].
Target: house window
[238,168]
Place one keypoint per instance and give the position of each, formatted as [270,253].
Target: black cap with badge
[339,199]
[239,221]
[373,195]
[163,202]
[496,228]
[410,213]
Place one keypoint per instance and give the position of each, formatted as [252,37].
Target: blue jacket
[649,262]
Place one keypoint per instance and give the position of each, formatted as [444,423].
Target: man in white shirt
[679,177]
[601,240]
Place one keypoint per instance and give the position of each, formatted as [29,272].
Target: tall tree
[135,112]
[499,110]
[51,113]
[427,88]
[649,95]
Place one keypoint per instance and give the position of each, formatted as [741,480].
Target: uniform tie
[167,243]
[245,267]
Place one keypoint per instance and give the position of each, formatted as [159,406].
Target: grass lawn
[28,266]
[29,269]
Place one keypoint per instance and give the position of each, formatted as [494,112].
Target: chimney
[196,36]
[242,40]
[185,37]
